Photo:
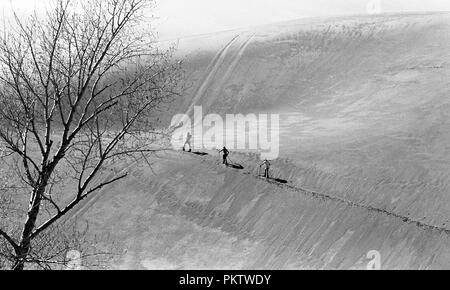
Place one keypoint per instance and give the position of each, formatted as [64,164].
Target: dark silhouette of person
[188,142]
[266,165]
[225,155]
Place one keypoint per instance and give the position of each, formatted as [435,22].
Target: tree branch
[75,202]
[9,240]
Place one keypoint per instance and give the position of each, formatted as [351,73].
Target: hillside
[362,101]
[364,111]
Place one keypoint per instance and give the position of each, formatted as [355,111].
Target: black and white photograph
[212,135]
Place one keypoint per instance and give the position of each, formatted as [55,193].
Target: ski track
[323,196]
[232,67]
[90,201]
[211,71]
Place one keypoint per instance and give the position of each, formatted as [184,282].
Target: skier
[225,155]
[266,165]
[188,142]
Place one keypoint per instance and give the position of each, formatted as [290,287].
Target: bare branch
[9,240]
[75,202]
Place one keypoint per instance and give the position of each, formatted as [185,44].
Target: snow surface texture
[365,121]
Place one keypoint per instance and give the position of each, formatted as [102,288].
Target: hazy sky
[180,18]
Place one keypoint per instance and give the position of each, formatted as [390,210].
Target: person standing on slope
[266,165]
[188,142]
[225,155]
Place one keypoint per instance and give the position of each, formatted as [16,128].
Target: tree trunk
[33,212]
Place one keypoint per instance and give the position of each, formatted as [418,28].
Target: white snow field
[365,131]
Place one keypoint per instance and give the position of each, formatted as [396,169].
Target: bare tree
[78,91]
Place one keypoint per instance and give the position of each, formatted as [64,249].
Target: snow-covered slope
[363,102]
[190,212]
[365,120]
